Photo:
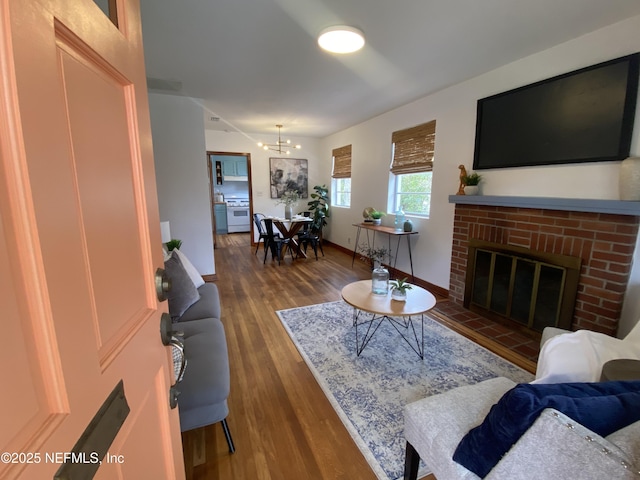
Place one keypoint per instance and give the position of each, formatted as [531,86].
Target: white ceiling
[256,63]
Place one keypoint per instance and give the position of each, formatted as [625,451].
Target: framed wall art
[288,174]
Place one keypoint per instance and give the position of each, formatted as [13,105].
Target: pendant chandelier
[282,146]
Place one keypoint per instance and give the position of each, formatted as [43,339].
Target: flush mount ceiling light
[341,39]
[279,145]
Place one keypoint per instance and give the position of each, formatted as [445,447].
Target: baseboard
[439,292]
[338,247]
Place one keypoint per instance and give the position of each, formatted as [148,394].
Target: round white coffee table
[382,307]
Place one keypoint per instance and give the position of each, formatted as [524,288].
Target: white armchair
[579,356]
[554,446]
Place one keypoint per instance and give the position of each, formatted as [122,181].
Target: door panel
[80,239]
[154,467]
[32,402]
[104,166]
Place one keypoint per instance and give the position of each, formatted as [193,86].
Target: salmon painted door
[79,243]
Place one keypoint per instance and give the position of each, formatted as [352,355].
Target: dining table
[289,228]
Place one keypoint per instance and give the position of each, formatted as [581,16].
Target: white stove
[238,215]
[237,202]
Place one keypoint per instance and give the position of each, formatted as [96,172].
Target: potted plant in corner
[319,208]
[471,182]
[399,289]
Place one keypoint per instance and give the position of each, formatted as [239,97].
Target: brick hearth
[605,242]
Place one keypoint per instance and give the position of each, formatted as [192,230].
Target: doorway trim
[212,186]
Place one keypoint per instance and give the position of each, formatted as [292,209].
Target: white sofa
[554,446]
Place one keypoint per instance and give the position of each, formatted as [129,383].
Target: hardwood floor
[282,424]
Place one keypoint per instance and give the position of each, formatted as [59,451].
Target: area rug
[369,392]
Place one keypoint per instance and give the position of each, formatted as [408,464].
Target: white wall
[454,109]
[178,147]
[235,142]
[177,125]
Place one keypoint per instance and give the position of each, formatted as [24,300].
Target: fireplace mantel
[617,207]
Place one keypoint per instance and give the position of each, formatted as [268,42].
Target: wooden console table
[391,232]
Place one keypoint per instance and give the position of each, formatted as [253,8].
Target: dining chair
[309,236]
[262,235]
[274,242]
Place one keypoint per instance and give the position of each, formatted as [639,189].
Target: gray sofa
[205,385]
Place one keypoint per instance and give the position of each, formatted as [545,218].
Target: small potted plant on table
[173,244]
[399,289]
[376,216]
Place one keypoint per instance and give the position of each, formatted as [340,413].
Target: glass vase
[399,222]
[380,281]
[288,212]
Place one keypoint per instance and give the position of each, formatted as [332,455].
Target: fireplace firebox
[514,284]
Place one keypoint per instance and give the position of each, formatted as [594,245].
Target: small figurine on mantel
[463,175]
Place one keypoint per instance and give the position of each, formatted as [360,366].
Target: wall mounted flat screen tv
[582,116]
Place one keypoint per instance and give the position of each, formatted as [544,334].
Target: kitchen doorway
[230,193]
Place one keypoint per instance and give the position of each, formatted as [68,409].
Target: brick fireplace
[601,232]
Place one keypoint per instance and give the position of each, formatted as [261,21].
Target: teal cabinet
[220,212]
[241,168]
[228,168]
[235,167]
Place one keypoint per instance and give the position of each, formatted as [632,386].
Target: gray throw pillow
[183,292]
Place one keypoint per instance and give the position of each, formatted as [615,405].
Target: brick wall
[605,242]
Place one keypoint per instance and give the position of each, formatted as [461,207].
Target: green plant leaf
[173,244]
[319,206]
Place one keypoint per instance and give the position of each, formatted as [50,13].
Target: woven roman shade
[342,162]
[413,149]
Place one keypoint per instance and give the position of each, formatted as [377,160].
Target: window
[411,169]
[341,177]
[109,8]
[341,192]
[413,192]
